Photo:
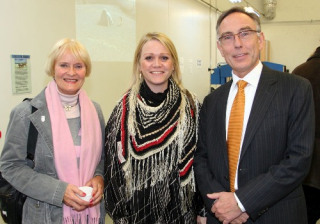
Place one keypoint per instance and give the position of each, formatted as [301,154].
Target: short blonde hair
[67,44]
[163,39]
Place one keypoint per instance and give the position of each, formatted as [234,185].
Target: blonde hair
[76,49]
[163,39]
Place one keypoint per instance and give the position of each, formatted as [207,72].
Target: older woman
[151,137]
[68,152]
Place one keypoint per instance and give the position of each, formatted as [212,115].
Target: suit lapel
[264,95]
[221,119]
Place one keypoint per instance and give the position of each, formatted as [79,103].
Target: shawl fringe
[149,159]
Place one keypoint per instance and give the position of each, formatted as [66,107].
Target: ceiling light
[251,10]
[235,1]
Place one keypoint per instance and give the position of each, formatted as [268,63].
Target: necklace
[69,107]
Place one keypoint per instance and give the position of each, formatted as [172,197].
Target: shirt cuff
[239,203]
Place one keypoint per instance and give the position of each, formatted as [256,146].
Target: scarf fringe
[160,165]
[161,161]
[186,194]
[164,168]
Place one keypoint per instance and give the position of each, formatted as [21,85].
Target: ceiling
[257,5]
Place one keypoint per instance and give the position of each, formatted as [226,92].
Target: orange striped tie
[235,131]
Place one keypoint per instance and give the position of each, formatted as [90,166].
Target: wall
[29,27]
[293,34]
[33,26]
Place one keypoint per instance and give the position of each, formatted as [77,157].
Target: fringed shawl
[149,151]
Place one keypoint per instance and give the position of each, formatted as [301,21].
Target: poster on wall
[107,28]
[20,74]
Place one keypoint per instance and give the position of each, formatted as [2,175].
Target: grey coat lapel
[41,119]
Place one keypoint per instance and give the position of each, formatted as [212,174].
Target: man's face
[242,54]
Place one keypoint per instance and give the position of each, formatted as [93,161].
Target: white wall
[29,27]
[32,26]
[293,34]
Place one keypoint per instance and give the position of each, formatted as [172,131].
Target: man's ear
[220,48]
[261,40]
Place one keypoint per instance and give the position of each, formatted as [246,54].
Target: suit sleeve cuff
[239,203]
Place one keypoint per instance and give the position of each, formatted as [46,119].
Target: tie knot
[242,84]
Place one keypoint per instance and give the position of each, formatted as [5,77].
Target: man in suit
[311,185]
[277,134]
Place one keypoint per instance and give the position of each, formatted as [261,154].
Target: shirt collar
[252,78]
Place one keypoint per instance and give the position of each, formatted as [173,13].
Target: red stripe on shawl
[123,120]
[183,172]
[161,139]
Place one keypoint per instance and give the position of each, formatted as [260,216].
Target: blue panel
[222,72]
[275,66]
[215,76]
[225,71]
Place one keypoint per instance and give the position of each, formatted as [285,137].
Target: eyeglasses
[230,37]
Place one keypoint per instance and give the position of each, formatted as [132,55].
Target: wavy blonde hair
[163,39]
[76,49]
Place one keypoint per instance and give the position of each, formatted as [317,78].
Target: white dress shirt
[252,78]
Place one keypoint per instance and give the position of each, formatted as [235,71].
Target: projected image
[107,28]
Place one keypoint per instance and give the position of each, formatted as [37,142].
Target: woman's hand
[72,199]
[97,183]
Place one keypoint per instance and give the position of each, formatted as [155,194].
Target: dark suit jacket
[311,71]
[276,151]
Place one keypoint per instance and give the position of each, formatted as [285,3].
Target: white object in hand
[88,191]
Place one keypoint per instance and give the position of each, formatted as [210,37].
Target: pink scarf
[65,153]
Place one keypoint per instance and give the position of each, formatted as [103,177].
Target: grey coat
[44,190]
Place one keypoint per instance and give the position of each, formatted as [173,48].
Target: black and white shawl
[149,156]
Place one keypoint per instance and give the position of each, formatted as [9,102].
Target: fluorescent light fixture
[235,1]
[251,10]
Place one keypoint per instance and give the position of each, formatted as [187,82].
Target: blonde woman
[151,137]
[68,152]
